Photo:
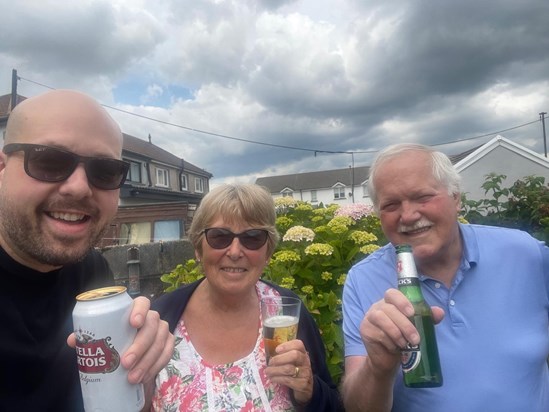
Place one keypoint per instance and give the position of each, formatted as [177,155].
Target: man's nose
[77,184]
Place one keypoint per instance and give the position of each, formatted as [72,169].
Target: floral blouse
[188,383]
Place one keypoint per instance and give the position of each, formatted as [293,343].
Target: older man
[488,287]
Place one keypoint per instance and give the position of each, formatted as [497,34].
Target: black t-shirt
[38,371]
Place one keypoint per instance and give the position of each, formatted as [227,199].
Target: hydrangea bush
[318,247]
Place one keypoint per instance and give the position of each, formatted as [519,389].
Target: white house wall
[326,196]
[503,161]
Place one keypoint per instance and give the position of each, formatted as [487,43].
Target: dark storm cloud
[64,36]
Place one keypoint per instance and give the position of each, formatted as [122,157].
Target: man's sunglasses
[50,164]
[252,239]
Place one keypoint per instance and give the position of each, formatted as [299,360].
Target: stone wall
[139,267]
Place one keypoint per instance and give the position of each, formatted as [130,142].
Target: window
[287,193]
[199,185]
[339,192]
[134,172]
[167,230]
[135,233]
[184,182]
[365,190]
[162,177]
[313,196]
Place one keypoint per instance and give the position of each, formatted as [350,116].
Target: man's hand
[386,329]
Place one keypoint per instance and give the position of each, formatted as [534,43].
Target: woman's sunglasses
[252,239]
[50,164]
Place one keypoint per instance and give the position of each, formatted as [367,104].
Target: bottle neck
[408,279]
[406,266]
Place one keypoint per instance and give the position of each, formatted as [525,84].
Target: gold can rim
[101,293]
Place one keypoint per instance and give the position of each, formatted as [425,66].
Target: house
[159,196]
[503,157]
[342,186]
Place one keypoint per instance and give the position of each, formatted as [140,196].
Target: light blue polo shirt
[494,339]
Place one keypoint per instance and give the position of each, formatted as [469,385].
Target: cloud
[253,88]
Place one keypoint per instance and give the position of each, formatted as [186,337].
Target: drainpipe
[134,288]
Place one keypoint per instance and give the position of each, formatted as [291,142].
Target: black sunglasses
[252,239]
[50,164]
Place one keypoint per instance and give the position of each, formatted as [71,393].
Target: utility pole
[352,177]
[14,79]
[542,117]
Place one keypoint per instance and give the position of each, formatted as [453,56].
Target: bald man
[60,174]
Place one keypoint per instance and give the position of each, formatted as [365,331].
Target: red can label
[96,355]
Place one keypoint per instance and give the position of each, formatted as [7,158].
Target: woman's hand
[292,367]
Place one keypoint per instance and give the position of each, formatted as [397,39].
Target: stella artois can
[103,333]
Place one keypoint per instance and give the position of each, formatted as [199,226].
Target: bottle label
[408,281]
[410,358]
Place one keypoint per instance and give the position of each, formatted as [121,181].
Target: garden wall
[139,267]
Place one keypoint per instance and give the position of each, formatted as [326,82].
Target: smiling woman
[220,356]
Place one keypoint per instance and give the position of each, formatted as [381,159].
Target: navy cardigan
[325,393]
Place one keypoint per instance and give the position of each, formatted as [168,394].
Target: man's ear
[457,199]
[3,160]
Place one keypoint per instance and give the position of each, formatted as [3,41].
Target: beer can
[103,333]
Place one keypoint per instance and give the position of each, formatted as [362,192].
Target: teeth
[418,227]
[71,217]
[233,270]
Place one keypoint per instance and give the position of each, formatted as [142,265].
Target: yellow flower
[319,249]
[361,237]
[286,256]
[284,201]
[332,208]
[319,212]
[341,220]
[338,229]
[306,207]
[307,289]
[321,229]
[284,221]
[367,249]
[326,276]
[287,282]
[341,279]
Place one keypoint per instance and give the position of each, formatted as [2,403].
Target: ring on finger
[296,372]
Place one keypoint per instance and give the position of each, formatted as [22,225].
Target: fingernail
[414,339]
[138,319]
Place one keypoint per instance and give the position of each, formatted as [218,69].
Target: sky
[246,89]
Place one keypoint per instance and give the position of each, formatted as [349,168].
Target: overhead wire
[315,151]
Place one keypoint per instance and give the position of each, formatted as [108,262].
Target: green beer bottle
[420,363]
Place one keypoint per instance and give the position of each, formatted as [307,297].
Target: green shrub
[524,205]
[318,247]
